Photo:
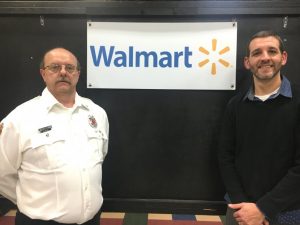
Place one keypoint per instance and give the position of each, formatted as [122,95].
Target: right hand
[1,127]
[247,213]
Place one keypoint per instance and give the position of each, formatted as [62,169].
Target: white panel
[161,55]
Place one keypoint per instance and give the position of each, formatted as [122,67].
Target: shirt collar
[284,90]
[50,101]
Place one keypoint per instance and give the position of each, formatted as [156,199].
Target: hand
[248,214]
[1,127]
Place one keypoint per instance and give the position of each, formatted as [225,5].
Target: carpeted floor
[141,219]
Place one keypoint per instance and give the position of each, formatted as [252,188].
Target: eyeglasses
[55,68]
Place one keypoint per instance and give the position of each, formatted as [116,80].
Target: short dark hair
[42,63]
[265,33]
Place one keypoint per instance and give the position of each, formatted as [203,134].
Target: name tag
[45,129]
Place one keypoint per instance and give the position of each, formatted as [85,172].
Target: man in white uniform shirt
[52,148]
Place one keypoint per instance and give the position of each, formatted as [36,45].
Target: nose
[63,70]
[265,55]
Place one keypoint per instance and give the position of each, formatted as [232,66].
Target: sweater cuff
[267,208]
[262,211]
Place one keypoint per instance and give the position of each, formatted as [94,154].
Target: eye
[70,68]
[55,67]
[273,51]
[255,53]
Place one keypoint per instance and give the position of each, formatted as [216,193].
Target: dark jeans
[22,219]
[229,217]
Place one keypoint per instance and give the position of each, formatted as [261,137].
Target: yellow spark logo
[213,65]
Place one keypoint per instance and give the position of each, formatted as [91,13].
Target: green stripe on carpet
[135,219]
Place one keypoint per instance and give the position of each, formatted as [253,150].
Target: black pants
[22,219]
[229,217]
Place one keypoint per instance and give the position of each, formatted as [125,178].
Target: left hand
[248,214]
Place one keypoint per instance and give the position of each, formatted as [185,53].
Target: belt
[22,219]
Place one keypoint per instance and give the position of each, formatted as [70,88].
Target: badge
[45,129]
[92,121]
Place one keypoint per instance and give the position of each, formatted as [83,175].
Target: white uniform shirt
[51,158]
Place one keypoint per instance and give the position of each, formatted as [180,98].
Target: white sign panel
[161,55]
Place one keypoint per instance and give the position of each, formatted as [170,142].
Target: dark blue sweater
[259,154]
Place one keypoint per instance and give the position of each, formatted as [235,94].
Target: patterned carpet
[141,219]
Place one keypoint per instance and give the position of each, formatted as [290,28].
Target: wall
[163,143]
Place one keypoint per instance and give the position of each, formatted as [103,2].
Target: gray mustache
[63,80]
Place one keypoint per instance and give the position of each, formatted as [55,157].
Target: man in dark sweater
[259,155]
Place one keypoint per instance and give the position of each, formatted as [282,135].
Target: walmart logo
[108,56]
[219,54]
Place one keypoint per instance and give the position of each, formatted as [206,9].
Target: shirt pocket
[97,140]
[48,150]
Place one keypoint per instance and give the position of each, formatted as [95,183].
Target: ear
[246,62]
[284,58]
[42,72]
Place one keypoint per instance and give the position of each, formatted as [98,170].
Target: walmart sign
[161,55]
[133,58]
